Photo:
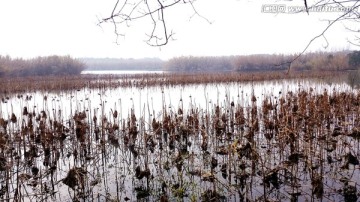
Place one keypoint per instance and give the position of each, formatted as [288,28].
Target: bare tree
[127,11]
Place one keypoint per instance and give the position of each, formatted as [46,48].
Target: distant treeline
[65,65]
[40,66]
[123,64]
[317,61]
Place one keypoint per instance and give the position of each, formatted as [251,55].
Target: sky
[238,27]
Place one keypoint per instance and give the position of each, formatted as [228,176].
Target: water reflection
[274,141]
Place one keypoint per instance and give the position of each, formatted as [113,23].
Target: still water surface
[111,168]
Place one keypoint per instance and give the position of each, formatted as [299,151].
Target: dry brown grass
[292,146]
[53,83]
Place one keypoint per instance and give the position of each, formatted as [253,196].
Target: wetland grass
[69,83]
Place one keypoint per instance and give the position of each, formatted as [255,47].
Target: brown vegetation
[316,61]
[283,146]
[57,83]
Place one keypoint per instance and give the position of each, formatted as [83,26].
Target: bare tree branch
[153,10]
[306,7]
[196,13]
[128,11]
[352,10]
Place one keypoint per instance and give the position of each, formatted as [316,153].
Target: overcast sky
[67,27]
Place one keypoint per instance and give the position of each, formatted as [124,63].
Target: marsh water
[282,140]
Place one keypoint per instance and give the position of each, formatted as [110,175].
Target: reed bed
[68,83]
[287,145]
